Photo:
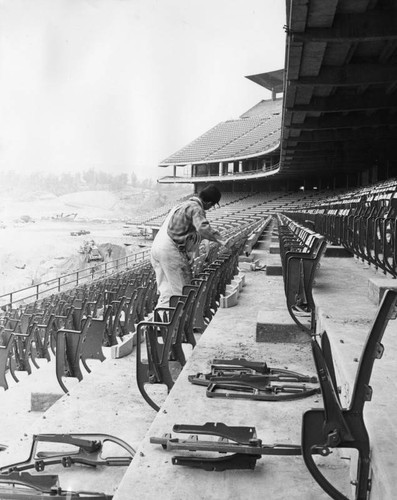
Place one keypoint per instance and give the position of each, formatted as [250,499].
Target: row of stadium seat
[363,221]
[301,250]
[73,326]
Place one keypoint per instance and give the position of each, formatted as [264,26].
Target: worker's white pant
[171,266]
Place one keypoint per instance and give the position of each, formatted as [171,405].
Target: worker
[177,242]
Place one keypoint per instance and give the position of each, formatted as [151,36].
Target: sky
[119,85]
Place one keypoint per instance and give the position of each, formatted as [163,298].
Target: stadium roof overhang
[252,136]
[273,80]
[340,86]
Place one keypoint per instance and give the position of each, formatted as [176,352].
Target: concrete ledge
[273,249]
[41,401]
[251,265]
[125,348]
[250,243]
[377,288]
[246,258]
[274,267]
[43,389]
[274,270]
[337,251]
[229,300]
[231,288]
[261,245]
[278,326]
[255,237]
[232,291]
[237,283]
[241,277]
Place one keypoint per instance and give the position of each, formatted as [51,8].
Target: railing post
[37,291]
[59,284]
[77,277]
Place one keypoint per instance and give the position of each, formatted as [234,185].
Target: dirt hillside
[36,243]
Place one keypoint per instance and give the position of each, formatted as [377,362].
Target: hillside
[35,228]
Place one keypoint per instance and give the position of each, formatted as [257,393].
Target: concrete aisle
[347,295]
[232,333]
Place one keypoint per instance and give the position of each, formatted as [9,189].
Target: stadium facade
[335,124]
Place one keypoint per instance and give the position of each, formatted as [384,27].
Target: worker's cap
[210,194]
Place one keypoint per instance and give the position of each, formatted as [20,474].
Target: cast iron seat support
[69,349]
[159,337]
[337,427]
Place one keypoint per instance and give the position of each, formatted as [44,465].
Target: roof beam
[358,27]
[308,148]
[347,163]
[334,135]
[341,103]
[344,122]
[326,153]
[312,156]
[350,75]
[314,146]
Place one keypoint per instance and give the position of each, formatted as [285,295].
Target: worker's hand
[225,243]
[206,247]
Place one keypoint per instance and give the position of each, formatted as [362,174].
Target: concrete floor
[232,333]
[107,400]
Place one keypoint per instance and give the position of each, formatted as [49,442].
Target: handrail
[263,172]
[80,276]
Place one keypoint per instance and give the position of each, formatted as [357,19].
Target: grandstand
[274,350]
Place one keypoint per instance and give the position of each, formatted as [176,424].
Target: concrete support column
[240,166]
[174,170]
[220,171]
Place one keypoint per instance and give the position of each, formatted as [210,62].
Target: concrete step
[230,334]
[377,287]
[278,326]
[337,251]
[346,313]
[273,265]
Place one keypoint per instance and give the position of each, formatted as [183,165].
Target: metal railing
[66,281]
[89,274]
[247,174]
